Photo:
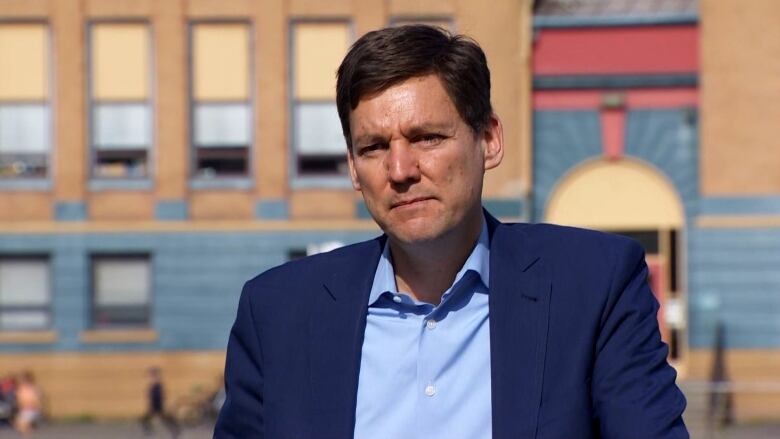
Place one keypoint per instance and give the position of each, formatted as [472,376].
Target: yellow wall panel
[221,61]
[602,194]
[24,66]
[118,8]
[67,26]
[171,97]
[120,61]
[428,7]
[221,205]
[116,205]
[322,204]
[25,206]
[270,161]
[113,385]
[740,97]
[319,49]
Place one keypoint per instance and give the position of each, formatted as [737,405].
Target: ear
[352,172]
[493,147]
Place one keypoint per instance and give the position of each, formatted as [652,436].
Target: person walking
[155,397]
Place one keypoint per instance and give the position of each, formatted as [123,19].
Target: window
[25,136]
[121,287]
[318,142]
[121,132]
[221,105]
[24,294]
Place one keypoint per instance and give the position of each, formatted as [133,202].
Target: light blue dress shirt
[425,369]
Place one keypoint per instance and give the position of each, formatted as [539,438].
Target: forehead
[416,101]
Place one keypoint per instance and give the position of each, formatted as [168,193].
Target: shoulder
[311,272]
[551,238]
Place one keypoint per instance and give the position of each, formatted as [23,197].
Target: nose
[402,163]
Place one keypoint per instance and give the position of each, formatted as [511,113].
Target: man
[451,325]
[155,405]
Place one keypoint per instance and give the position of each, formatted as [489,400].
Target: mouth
[409,202]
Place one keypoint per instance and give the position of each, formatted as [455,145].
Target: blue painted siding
[70,211]
[171,210]
[505,207]
[197,278]
[272,209]
[561,141]
[744,205]
[668,140]
[734,278]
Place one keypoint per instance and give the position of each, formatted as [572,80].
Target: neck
[425,270]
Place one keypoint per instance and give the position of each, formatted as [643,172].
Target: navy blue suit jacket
[574,342]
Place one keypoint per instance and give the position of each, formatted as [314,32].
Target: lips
[408,202]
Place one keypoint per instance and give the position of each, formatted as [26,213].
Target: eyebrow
[415,130]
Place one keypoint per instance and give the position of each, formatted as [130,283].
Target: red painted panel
[663,98]
[613,124]
[614,50]
[635,98]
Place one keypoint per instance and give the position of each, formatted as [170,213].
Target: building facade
[154,155]
[658,120]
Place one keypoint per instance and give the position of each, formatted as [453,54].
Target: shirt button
[430,324]
[397,299]
[430,390]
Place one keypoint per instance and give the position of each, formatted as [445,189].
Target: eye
[430,139]
[369,149]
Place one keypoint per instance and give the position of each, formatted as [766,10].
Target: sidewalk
[114,430]
[127,430]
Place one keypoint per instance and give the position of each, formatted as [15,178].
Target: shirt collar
[478,261]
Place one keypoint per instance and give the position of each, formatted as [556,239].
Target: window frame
[125,182]
[297,180]
[36,182]
[243,181]
[47,308]
[93,323]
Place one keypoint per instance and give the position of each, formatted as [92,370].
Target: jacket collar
[519,310]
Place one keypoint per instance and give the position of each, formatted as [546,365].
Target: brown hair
[386,57]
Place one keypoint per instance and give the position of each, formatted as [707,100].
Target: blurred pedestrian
[155,397]
[29,403]
[7,400]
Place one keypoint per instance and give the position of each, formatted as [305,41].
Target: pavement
[112,430]
[129,430]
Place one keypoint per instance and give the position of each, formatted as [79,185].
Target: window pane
[23,320]
[318,51]
[121,315]
[120,163]
[220,61]
[221,162]
[24,282]
[222,125]
[23,62]
[318,129]
[16,165]
[119,126]
[24,128]
[120,61]
[121,282]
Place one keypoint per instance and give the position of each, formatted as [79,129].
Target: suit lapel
[519,311]
[337,325]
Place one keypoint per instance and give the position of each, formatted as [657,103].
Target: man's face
[418,164]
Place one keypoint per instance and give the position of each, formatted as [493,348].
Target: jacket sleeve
[634,390]
[242,413]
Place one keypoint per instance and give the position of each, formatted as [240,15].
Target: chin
[415,235]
